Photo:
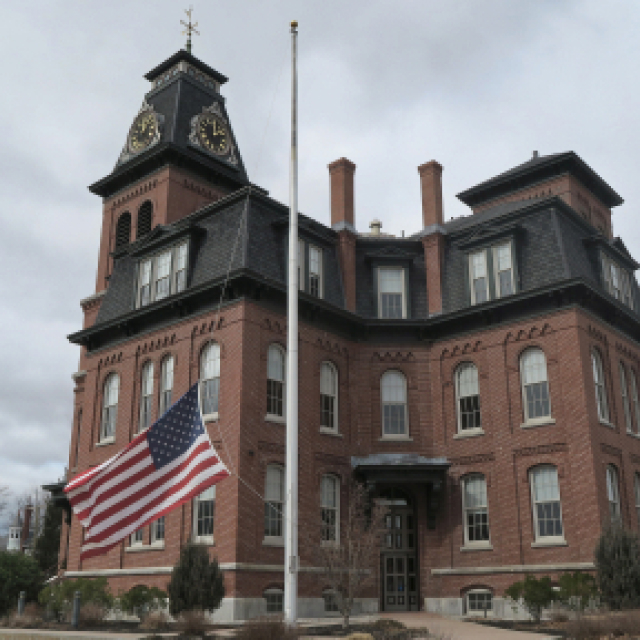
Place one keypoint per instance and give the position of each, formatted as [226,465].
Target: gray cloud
[475,85]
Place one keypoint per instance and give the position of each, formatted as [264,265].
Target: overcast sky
[477,85]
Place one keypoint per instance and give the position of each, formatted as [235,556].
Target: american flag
[163,467]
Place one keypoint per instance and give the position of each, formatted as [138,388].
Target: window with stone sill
[535,385]
[617,281]
[166,384]
[310,269]
[276,364]
[330,509]
[146,397]
[475,510]
[479,601]
[274,600]
[328,397]
[162,275]
[210,378]
[110,394]
[203,516]
[393,391]
[492,272]
[613,493]
[392,293]
[137,538]
[547,509]
[274,503]
[633,383]
[602,403]
[624,392]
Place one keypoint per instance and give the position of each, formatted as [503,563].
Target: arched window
[274,503]
[328,397]
[613,493]
[203,513]
[109,407]
[468,397]
[166,384]
[275,600]
[123,230]
[475,510]
[146,396]
[394,403]
[145,214]
[624,391]
[545,497]
[330,506]
[535,387]
[210,378]
[275,381]
[600,388]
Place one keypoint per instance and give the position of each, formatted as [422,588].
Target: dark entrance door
[399,557]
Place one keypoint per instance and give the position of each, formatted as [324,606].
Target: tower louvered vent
[123,230]
[145,213]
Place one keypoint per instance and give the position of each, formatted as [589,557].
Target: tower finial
[190,28]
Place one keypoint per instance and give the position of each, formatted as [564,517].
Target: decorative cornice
[559,447]
[93,300]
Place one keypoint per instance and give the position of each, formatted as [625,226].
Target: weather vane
[190,28]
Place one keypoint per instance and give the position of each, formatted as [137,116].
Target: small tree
[196,582]
[142,600]
[58,596]
[349,564]
[47,544]
[617,558]
[18,573]
[535,594]
[577,589]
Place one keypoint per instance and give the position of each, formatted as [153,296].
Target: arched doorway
[399,557]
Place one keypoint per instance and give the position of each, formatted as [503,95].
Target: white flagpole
[291,469]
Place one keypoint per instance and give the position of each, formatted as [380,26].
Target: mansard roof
[536,170]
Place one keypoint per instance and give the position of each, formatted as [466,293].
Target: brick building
[480,375]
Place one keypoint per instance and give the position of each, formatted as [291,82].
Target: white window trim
[471,278]
[475,544]
[633,380]
[626,400]
[615,475]
[273,591]
[407,432]
[496,273]
[157,542]
[210,417]
[274,541]
[538,540]
[404,291]
[152,277]
[272,417]
[603,412]
[539,420]
[195,538]
[148,365]
[336,429]
[102,439]
[164,363]
[136,543]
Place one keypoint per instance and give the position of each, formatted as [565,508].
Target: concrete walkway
[451,629]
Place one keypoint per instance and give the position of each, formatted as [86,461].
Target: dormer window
[310,269]
[392,298]
[617,281]
[162,275]
[491,273]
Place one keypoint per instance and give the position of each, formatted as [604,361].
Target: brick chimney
[341,174]
[433,231]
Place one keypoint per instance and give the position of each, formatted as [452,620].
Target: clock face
[143,132]
[213,134]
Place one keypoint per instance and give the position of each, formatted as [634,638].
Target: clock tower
[179,155]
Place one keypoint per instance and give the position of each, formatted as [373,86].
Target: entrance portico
[406,484]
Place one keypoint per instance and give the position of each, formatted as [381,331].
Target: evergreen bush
[577,590]
[196,582]
[47,544]
[142,600]
[617,559]
[535,594]
[18,572]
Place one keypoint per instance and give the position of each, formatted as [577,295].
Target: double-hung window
[468,398]
[613,493]
[617,281]
[315,271]
[492,272]
[535,386]
[275,381]
[547,511]
[162,275]
[146,397]
[328,397]
[210,378]
[109,408]
[203,514]
[275,600]
[634,397]
[479,602]
[157,531]
[274,504]
[394,404]
[392,299]
[475,509]
[166,384]
[600,387]
[137,538]
[626,405]
[478,277]
[330,502]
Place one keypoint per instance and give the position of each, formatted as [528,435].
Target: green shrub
[535,594]
[58,596]
[617,558]
[266,629]
[577,589]
[18,573]
[47,545]
[142,600]
[196,582]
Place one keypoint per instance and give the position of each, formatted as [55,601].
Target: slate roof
[536,170]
